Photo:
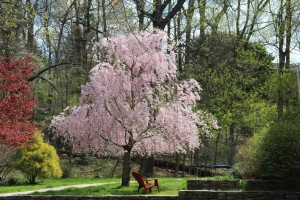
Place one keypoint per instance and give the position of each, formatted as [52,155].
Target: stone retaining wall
[273,185]
[182,195]
[248,185]
[28,197]
[213,185]
[231,195]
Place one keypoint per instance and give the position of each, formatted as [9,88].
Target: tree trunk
[126,168]
[183,165]
[202,8]
[216,148]
[189,17]
[177,159]
[141,15]
[282,57]
[104,19]
[196,157]
[288,37]
[114,169]
[231,144]
[46,25]
[179,53]
[159,17]
[30,37]
[31,8]
[147,166]
[5,36]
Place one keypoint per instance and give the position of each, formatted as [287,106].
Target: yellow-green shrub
[38,159]
[273,153]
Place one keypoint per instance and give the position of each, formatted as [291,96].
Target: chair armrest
[145,180]
[150,180]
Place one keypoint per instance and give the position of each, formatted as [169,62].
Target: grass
[50,183]
[168,187]
[220,178]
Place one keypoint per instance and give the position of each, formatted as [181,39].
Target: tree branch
[173,12]
[140,8]
[35,76]
[164,5]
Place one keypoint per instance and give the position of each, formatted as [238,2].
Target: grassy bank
[50,183]
[168,186]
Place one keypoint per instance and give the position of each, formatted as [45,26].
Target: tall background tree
[229,80]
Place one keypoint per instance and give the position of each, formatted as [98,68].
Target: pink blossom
[133,99]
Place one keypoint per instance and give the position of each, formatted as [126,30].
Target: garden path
[53,189]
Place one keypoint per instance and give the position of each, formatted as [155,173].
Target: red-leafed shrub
[16,102]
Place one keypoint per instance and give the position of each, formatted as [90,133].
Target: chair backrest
[138,178]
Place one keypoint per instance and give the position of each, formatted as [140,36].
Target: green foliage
[230,71]
[97,168]
[286,84]
[233,75]
[281,150]
[11,23]
[249,155]
[260,114]
[38,159]
[84,159]
[274,152]
[7,155]
[12,181]
[67,171]
[244,185]
[226,177]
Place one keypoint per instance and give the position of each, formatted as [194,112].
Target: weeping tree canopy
[133,103]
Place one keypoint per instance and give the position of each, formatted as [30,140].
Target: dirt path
[53,189]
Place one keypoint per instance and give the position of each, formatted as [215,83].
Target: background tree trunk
[202,8]
[189,18]
[177,160]
[147,166]
[216,148]
[231,143]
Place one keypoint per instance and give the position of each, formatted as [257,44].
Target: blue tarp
[212,166]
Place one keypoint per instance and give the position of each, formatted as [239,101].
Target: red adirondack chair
[145,183]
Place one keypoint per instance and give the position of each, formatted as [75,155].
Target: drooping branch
[35,76]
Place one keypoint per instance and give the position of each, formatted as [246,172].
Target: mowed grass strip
[51,183]
[168,187]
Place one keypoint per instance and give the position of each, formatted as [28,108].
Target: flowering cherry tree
[16,103]
[133,103]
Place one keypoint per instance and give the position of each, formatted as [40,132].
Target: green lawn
[168,186]
[50,183]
